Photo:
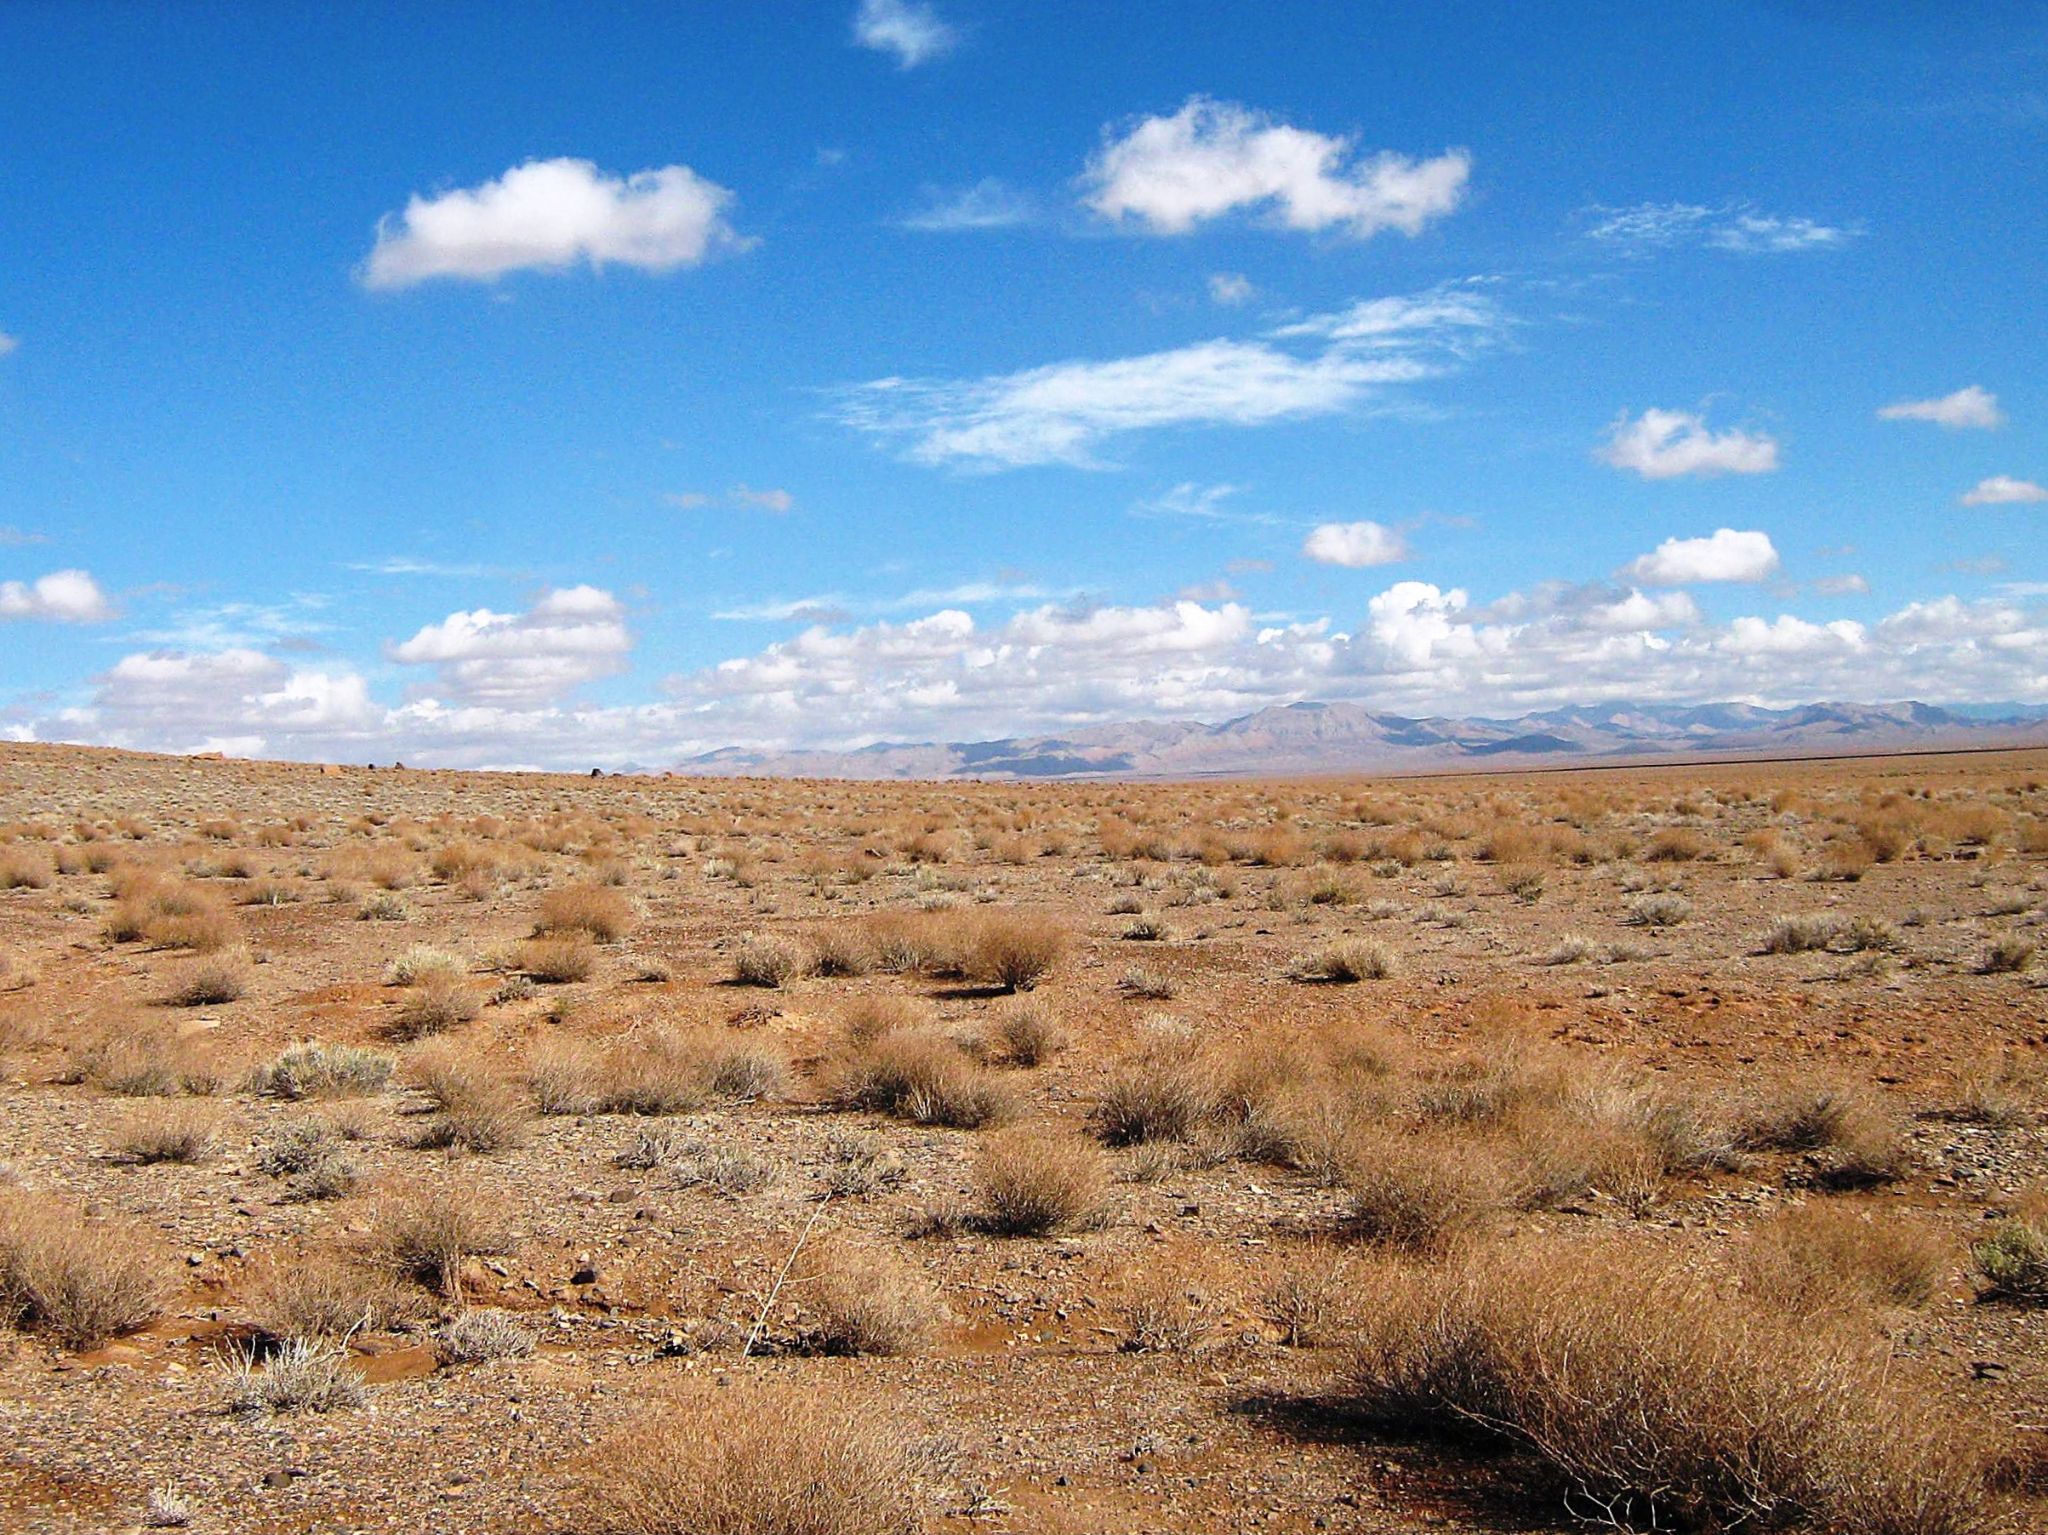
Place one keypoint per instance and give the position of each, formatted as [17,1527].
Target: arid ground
[413,1151]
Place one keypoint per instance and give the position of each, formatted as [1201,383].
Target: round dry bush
[1825,1256]
[1419,1193]
[80,1280]
[1029,1032]
[597,910]
[755,1459]
[1345,961]
[867,1019]
[864,1301]
[436,1003]
[324,1295]
[1662,1402]
[1167,1093]
[423,1232]
[556,961]
[925,1077]
[767,959]
[1036,1183]
[1014,951]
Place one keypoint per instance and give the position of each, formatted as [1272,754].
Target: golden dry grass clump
[654,1068]
[756,1459]
[1036,1182]
[923,1076]
[600,912]
[78,1278]
[1652,1398]
[861,1299]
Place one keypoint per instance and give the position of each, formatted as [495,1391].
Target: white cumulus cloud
[1355,545]
[550,215]
[1968,407]
[911,31]
[1726,554]
[1214,157]
[1663,444]
[2004,490]
[569,637]
[63,596]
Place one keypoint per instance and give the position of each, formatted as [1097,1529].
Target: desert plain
[399,1150]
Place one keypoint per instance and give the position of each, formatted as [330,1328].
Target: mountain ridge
[1311,737]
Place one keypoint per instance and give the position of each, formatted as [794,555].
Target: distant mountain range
[1342,737]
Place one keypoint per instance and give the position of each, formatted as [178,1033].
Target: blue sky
[557,385]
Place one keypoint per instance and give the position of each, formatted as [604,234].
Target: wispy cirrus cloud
[1170,173]
[772,499]
[988,204]
[550,216]
[1739,228]
[1065,412]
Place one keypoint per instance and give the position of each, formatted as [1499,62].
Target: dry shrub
[169,914]
[436,1003]
[867,1019]
[142,1058]
[210,982]
[1344,961]
[1163,1310]
[755,1459]
[1028,1032]
[927,1078]
[1308,1295]
[1013,950]
[1167,1092]
[597,911]
[862,1300]
[186,1133]
[1039,1183]
[1421,1193]
[2012,1260]
[1563,1157]
[857,1164]
[313,1069]
[840,951]
[654,1069]
[556,961]
[324,1295]
[422,961]
[304,1375]
[2009,954]
[1828,1256]
[314,1159]
[475,1335]
[1675,844]
[769,959]
[478,1103]
[1850,1138]
[22,870]
[905,943]
[80,1279]
[423,1232]
[1655,1400]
